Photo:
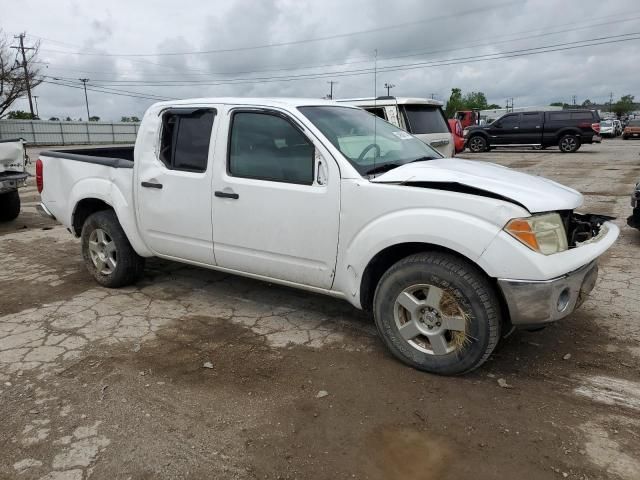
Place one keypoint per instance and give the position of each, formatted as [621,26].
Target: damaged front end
[583,228]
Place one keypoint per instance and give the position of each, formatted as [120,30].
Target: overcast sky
[403,32]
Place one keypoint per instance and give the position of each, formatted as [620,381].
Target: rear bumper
[44,211]
[11,181]
[532,303]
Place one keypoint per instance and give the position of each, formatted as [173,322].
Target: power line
[400,67]
[110,91]
[456,15]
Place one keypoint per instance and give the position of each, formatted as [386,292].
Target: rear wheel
[477,144]
[437,313]
[9,206]
[569,144]
[108,255]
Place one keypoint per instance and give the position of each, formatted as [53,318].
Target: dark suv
[567,128]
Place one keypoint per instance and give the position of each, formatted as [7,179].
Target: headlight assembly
[543,233]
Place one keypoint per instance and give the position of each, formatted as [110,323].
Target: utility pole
[86,99]
[574,100]
[388,86]
[331,84]
[610,101]
[35,99]
[433,96]
[22,48]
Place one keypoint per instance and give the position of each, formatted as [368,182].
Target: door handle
[220,194]
[516,128]
[151,185]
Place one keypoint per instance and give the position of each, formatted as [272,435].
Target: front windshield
[606,123]
[369,143]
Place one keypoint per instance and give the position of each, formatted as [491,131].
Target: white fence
[39,132]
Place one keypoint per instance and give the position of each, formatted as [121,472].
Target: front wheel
[9,206]
[437,313]
[569,144]
[477,144]
[108,255]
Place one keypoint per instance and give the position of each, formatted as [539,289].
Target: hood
[536,194]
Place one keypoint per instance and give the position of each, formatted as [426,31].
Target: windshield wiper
[385,167]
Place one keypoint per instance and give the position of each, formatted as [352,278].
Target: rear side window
[423,119]
[184,144]
[531,119]
[268,147]
[559,116]
[582,116]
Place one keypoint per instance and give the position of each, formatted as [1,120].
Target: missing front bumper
[532,303]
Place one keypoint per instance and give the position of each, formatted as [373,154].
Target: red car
[456,131]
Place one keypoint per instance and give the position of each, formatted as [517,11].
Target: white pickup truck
[13,175]
[448,254]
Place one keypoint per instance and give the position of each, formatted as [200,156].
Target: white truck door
[173,185]
[276,200]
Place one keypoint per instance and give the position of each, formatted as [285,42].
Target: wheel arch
[83,209]
[385,258]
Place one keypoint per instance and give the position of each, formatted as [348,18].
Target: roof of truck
[265,101]
[382,101]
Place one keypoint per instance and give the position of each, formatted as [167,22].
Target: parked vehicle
[634,219]
[607,129]
[423,117]
[13,175]
[568,129]
[448,254]
[458,136]
[617,127]
[467,118]
[632,130]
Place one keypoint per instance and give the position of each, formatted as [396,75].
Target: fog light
[563,299]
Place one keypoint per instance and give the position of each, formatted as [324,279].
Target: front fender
[465,234]
[109,192]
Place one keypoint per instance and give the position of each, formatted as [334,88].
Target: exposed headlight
[543,233]
[465,132]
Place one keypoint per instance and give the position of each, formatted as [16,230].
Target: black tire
[472,294]
[624,137]
[569,143]
[128,265]
[477,144]
[9,206]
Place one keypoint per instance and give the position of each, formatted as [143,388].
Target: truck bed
[118,157]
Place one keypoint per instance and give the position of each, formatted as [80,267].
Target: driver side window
[265,146]
[510,121]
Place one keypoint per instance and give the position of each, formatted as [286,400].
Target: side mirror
[496,125]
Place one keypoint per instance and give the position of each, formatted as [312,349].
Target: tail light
[39,179]
[595,127]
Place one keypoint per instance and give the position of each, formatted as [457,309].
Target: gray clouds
[162,26]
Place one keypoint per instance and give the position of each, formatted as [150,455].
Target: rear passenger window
[268,147]
[184,144]
[582,116]
[559,116]
[530,119]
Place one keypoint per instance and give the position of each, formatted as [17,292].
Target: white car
[423,117]
[13,175]
[607,129]
[448,254]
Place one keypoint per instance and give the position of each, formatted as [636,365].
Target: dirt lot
[111,384]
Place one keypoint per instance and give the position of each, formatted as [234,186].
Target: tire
[453,305]
[569,143]
[9,206]
[107,253]
[477,144]
[624,137]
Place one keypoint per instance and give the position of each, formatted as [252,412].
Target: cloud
[457,30]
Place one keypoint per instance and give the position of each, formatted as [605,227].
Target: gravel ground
[196,374]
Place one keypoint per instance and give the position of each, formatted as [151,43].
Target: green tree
[68,119]
[454,103]
[587,103]
[125,119]
[54,119]
[623,106]
[135,119]
[21,115]
[475,101]
[94,119]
